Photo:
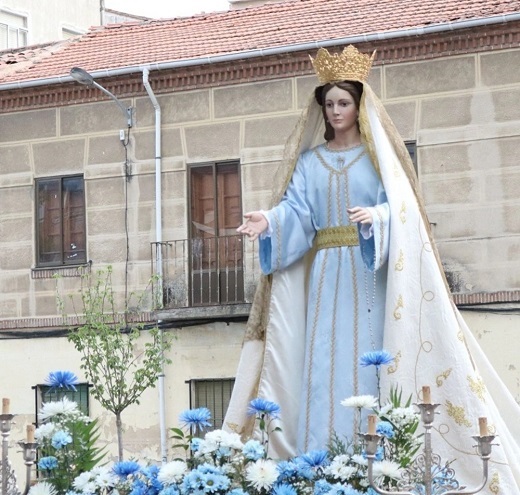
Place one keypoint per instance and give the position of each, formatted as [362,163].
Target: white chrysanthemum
[104,477]
[172,472]
[84,483]
[402,416]
[342,471]
[45,431]
[63,406]
[262,474]
[359,459]
[360,401]
[387,468]
[42,488]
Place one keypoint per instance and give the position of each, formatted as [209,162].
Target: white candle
[30,433]
[483,427]
[372,421]
[5,405]
[426,396]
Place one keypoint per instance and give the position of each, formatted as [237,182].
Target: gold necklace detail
[340,161]
[339,150]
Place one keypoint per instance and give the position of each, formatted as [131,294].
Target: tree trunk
[119,428]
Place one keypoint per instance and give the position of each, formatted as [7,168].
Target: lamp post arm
[127,112]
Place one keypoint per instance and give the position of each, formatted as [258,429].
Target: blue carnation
[315,458]
[376,358]
[48,463]
[386,429]
[284,489]
[60,439]
[253,450]
[196,418]
[195,444]
[170,490]
[321,487]
[263,407]
[62,379]
[125,468]
[237,491]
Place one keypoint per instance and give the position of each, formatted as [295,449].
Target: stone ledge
[225,311]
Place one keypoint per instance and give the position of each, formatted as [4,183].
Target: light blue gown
[346,290]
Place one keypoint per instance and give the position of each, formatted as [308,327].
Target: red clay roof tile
[272,25]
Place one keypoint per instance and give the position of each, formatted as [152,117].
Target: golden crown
[349,65]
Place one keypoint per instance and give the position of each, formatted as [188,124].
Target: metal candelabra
[9,486]
[427,463]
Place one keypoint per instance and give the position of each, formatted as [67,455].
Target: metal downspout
[158,261]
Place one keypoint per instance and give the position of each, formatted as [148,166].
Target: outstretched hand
[360,215]
[255,224]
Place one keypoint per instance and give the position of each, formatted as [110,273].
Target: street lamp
[83,77]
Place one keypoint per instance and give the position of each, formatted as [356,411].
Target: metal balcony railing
[205,271]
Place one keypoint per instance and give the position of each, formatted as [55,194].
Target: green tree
[118,369]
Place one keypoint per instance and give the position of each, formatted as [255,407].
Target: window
[213,394]
[216,275]
[60,221]
[45,394]
[411,146]
[13,30]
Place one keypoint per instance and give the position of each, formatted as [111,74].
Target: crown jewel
[350,64]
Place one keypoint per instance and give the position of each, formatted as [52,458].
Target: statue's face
[341,110]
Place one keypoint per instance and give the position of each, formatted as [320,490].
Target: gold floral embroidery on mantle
[395,365]
[402,213]
[400,305]
[494,485]
[443,377]
[399,265]
[458,414]
[477,387]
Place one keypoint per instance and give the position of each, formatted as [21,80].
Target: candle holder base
[11,485]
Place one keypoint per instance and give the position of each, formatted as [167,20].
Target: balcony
[205,277]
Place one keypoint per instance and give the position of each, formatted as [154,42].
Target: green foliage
[74,456]
[118,369]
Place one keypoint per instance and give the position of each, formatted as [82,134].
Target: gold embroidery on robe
[494,485]
[402,213]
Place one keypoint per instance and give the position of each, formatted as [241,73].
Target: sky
[167,8]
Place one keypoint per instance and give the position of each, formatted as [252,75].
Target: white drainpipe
[158,261]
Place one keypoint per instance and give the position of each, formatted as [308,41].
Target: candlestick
[5,405]
[30,433]
[427,399]
[483,427]
[372,421]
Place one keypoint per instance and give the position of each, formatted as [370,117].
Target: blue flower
[386,429]
[263,407]
[321,487]
[284,489]
[339,489]
[376,358]
[124,468]
[237,491]
[296,469]
[62,379]
[253,450]
[60,439]
[48,463]
[215,482]
[196,418]
[195,444]
[315,458]
[170,490]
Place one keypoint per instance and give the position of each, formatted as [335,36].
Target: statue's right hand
[255,224]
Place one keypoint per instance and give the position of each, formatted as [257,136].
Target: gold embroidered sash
[337,236]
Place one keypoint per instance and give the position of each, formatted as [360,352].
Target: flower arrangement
[222,463]
[66,440]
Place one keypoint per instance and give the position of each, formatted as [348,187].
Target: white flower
[63,406]
[402,416]
[44,431]
[360,401]
[262,474]
[359,459]
[340,469]
[103,477]
[172,472]
[222,438]
[387,468]
[43,488]
[84,483]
